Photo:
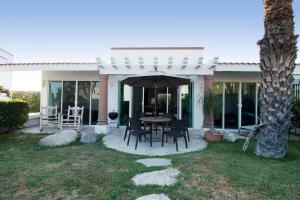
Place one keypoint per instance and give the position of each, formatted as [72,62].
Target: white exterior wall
[197,103]
[6,77]
[66,76]
[113,92]
[6,80]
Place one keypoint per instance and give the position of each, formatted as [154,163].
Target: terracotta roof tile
[238,63]
[49,63]
[243,63]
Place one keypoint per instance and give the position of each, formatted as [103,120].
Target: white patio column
[102,125]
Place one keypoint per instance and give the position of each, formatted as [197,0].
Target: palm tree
[278,52]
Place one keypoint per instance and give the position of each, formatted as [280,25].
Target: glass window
[149,101]
[259,93]
[231,105]
[172,101]
[95,101]
[54,98]
[83,98]
[218,116]
[248,103]
[161,107]
[68,95]
[124,102]
[185,103]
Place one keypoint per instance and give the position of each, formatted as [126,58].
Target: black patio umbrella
[155,79]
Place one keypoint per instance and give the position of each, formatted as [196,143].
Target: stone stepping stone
[154,197]
[158,177]
[59,139]
[88,138]
[155,162]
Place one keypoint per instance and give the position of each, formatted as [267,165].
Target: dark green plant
[33,99]
[211,104]
[13,114]
[295,120]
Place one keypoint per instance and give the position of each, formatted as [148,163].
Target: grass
[91,171]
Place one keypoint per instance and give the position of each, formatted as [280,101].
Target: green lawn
[91,171]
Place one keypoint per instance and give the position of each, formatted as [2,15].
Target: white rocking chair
[49,117]
[73,119]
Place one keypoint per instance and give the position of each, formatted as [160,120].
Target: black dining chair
[128,127]
[137,130]
[186,128]
[167,126]
[176,131]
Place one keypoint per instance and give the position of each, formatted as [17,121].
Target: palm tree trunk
[278,52]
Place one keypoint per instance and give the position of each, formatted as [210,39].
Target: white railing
[296,90]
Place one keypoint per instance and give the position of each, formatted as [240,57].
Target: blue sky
[74,30]
[65,30]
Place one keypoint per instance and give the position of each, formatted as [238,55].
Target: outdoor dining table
[155,120]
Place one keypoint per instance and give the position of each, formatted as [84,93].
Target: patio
[114,140]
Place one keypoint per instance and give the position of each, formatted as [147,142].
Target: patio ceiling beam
[126,62]
[99,63]
[113,62]
[199,63]
[184,63]
[141,62]
[155,64]
[170,62]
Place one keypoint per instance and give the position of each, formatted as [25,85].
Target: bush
[13,114]
[33,99]
[296,113]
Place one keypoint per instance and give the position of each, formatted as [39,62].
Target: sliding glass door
[218,115]
[231,105]
[161,101]
[172,101]
[175,101]
[69,93]
[94,101]
[230,115]
[248,103]
[55,91]
[83,99]
[69,90]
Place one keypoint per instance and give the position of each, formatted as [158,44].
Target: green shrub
[296,113]
[33,99]
[13,114]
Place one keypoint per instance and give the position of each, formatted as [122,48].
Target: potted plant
[211,104]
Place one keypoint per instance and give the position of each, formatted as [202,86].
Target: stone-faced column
[102,125]
[208,84]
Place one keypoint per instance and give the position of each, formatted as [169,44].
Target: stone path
[59,139]
[158,177]
[87,137]
[154,197]
[155,162]
[163,177]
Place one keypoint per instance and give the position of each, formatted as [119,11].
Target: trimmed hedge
[13,114]
[33,99]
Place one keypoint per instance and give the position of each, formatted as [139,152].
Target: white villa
[6,77]
[98,86]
